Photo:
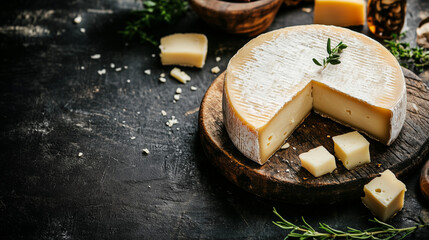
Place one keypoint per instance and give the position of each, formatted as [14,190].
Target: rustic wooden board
[282,177]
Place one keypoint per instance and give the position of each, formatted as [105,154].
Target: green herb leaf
[382,231]
[316,62]
[153,15]
[333,54]
[328,47]
[417,57]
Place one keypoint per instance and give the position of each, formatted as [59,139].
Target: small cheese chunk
[339,12]
[384,195]
[180,75]
[188,49]
[352,149]
[318,161]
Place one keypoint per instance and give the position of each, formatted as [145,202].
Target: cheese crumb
[147,71]
[163,80]
[80,154]
[145,151]
[307,10]
[132,138]
[193,88]
[82,67]
[96,56]
[285,146]
[153,55]
[82,30]
[101,72]
[171,121]
[176,97]
[178,90]
[162,75]
[164,113]
[112,65]
[218,59]
[215,70]
[128,80]
[415,107]
[125,67]
[77,19]
[118,69]
[180,75]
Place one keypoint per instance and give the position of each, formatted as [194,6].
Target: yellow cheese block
[184,49]
[339,12]
[318,161]
[352,149]
[384,195]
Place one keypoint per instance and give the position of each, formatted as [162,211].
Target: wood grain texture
[282,177]
[241,18]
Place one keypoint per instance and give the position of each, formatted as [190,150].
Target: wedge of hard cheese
[271,85]
[340,12]
[184,49]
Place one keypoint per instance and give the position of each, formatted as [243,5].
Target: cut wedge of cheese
[271,85]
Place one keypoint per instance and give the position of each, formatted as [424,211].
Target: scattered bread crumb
[147,71]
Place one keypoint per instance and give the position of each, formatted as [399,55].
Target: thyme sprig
[333,54]
[154,14]
[381,231]
[406,55]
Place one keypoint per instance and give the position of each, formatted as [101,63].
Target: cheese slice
[184,49]
[271,85]
[339,12]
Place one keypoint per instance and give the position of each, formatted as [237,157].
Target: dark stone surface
[51,111]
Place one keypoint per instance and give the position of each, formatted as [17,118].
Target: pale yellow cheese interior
[384,195]
[184,49]
[339,12]
[352,149]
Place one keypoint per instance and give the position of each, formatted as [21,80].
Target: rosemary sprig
[407,56]
[333,54]
[153,14]
[381,231]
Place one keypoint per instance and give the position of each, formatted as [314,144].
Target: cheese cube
[318,161]
[384,195]
[189,49]
[352,149]
[339,12]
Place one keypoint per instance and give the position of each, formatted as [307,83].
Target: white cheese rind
[271,70]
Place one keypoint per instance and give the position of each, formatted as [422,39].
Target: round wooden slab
[282,178]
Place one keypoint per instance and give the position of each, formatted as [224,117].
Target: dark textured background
[51,111]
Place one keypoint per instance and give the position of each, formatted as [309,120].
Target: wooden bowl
[249,18]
